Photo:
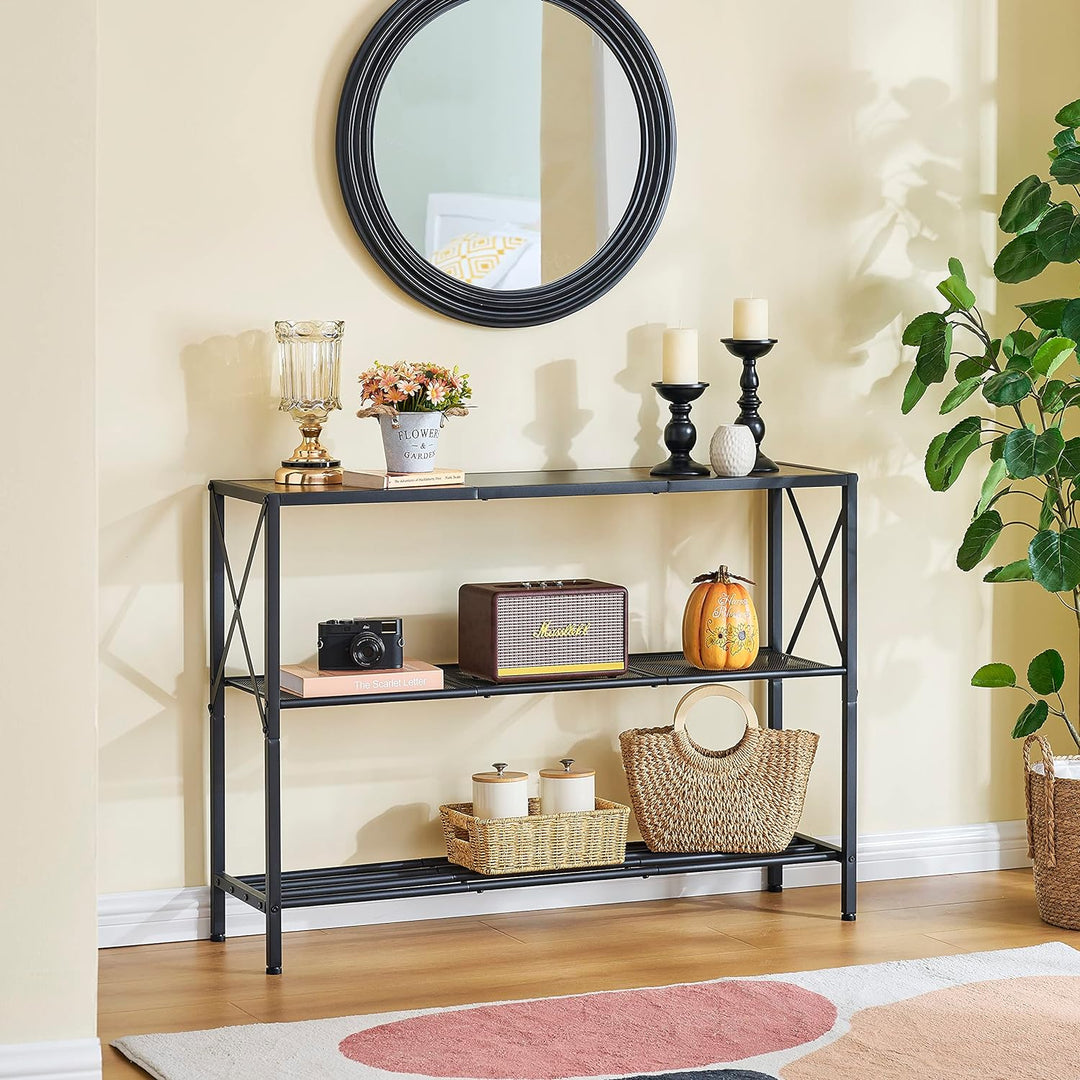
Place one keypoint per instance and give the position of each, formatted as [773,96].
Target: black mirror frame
[457,299]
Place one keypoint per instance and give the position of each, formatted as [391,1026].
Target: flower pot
[1052,788]
[411,440]
[733,450]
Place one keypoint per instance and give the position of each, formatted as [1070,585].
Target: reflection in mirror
[507,143]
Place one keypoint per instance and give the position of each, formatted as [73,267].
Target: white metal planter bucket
[411,441]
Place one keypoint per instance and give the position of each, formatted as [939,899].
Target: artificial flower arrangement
[413,387]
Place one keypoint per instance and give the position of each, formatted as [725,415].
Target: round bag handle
[714,690]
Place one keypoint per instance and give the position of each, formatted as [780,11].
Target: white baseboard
[143,918]
[69,1059]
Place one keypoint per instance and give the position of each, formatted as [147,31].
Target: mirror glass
[507,143]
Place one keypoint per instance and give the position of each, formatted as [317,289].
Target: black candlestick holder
[680,435]
[750,352]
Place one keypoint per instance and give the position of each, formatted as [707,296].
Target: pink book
[309,682]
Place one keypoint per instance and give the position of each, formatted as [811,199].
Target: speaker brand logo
[546,630]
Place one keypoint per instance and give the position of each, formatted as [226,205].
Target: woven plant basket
[746,799]
[1053,820]
[538,842]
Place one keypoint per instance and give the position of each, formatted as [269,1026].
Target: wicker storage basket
[1053,820]
[537,842]
[746,799]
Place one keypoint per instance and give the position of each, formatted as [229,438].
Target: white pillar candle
[750,320]
[680,357]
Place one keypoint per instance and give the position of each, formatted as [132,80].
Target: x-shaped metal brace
[237,622]
[819,574]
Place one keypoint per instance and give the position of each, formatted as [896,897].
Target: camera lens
[367,649]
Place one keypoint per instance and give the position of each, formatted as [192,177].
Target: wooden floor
[201,984]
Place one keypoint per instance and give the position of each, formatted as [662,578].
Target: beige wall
[832,156]
[48,570]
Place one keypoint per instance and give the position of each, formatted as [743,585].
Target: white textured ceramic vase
[733,451]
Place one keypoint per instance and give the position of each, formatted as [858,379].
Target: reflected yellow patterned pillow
[472,257]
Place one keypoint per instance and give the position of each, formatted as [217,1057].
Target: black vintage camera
[365,644]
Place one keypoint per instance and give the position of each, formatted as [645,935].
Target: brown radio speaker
[527,630]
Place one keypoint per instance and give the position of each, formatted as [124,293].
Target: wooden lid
[500,775]
[566,772]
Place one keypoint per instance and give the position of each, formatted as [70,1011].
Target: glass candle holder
[310,359]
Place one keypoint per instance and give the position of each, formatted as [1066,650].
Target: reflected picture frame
[408,269]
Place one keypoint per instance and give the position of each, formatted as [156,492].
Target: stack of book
[308,682]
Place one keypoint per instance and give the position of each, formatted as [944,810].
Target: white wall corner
[145,918]
[68,1059]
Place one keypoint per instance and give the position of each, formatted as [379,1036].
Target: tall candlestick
[680,357]
[750,320]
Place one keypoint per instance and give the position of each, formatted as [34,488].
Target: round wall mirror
[506,162]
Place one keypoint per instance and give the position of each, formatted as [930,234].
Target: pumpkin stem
[723,575]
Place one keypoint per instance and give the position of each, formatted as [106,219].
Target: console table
[274,890]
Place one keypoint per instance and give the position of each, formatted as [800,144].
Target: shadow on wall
[559,420]
[916,213]
[644,348]
[228,385]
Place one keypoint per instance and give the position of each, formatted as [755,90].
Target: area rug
[1010,1015]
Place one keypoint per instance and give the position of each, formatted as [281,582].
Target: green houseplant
[1032,479]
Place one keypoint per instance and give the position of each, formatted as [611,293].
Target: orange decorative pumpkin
[720,627]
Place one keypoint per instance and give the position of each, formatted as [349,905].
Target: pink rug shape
[635,1031]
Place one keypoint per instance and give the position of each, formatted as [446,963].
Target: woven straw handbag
[1053,821]
[748,798]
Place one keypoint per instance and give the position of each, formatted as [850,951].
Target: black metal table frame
[273,891]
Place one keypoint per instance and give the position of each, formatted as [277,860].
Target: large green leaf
[913,392]
[1046,673]
[1069,463]
[948,453]
[1020,260]
[1024,204]
[956,269]
[1031,719]
[956,291]
[1066,166]
[1018,342]
[994,676]
[997,448]
[1028,454]
[980,537]
[1070,320]
[1052,395]
[1055,559]
[1015,571]
[971,367]
[1052,354]
[1058,235]
[1069,116]
[1045,314]
[1007,388]
[1046,511]
[994,476]
[921,325]
[959,394]
[932,359]
[1063,140]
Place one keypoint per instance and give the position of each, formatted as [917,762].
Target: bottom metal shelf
[433,877]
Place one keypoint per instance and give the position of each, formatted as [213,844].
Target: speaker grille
[520,618]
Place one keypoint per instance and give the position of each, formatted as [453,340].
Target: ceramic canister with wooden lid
[500,794]
[567,790]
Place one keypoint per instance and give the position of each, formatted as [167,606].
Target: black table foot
[273,971]
[217,937]
[776,888]
[848,916]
